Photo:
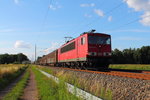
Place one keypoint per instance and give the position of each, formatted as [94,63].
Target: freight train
[89,50]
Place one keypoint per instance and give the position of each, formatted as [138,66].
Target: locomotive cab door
[82,48]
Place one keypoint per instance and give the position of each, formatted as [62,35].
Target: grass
[17,91]
[90,86]
[130,66]
[10,72]
[9,68]
[87,84]
[50,90]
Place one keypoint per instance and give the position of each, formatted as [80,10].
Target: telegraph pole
[35,54]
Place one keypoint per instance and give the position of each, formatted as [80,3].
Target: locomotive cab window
[98,40]
[82,40]
[68,47]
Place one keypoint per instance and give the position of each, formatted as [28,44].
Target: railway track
[147,72]
[124,85]
[143,75]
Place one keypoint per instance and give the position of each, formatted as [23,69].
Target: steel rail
[141,76]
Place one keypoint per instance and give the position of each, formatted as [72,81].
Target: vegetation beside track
[80,82]
[130,66]
[17,91]
[9,68]
[13,58]
[131,56]
[48,89]
[10,72]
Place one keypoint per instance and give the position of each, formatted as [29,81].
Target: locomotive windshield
[98,40]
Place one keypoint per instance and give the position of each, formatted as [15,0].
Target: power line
[133,21]
[111,10]
[44,20]
[45,17]
[90,12]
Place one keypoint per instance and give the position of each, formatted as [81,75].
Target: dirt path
[30,91]
[9,87]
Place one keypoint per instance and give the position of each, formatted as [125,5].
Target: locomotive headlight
[92,53]
[107,53]
[95,54]
[104,53]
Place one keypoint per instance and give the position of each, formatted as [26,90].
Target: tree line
[126,56]
[131,56]
[13,58]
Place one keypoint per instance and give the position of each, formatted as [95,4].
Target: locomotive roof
[95,33]
[84,34]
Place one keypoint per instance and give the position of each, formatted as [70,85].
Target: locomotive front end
[99,50]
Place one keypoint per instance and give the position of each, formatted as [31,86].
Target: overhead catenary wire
[111,10]
[89,13]
[131,22]
[47,12]
[45,16]
[44,21]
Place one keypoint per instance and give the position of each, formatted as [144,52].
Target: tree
[145,54]
[16,58]
[132,56]
[21,57]
[117,56]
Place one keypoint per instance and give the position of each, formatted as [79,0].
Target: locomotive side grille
[100,54]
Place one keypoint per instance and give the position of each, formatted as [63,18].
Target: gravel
[122,88]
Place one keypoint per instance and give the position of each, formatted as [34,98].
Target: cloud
[88,16]
[55,6]
[52,7]
[87,5]
[99,12]
[54,46]
[22,44]
[6,30]
[145,19]
[12,50]
[30,55]
[16,1]
[110,18]
[141,5]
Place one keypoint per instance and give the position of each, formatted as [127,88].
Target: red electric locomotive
[89,50]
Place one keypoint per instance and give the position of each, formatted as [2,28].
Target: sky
[45,23]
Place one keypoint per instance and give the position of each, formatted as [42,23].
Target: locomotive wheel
[78,65]
[71,65]
[66,65]
[84,65]
[63,64]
